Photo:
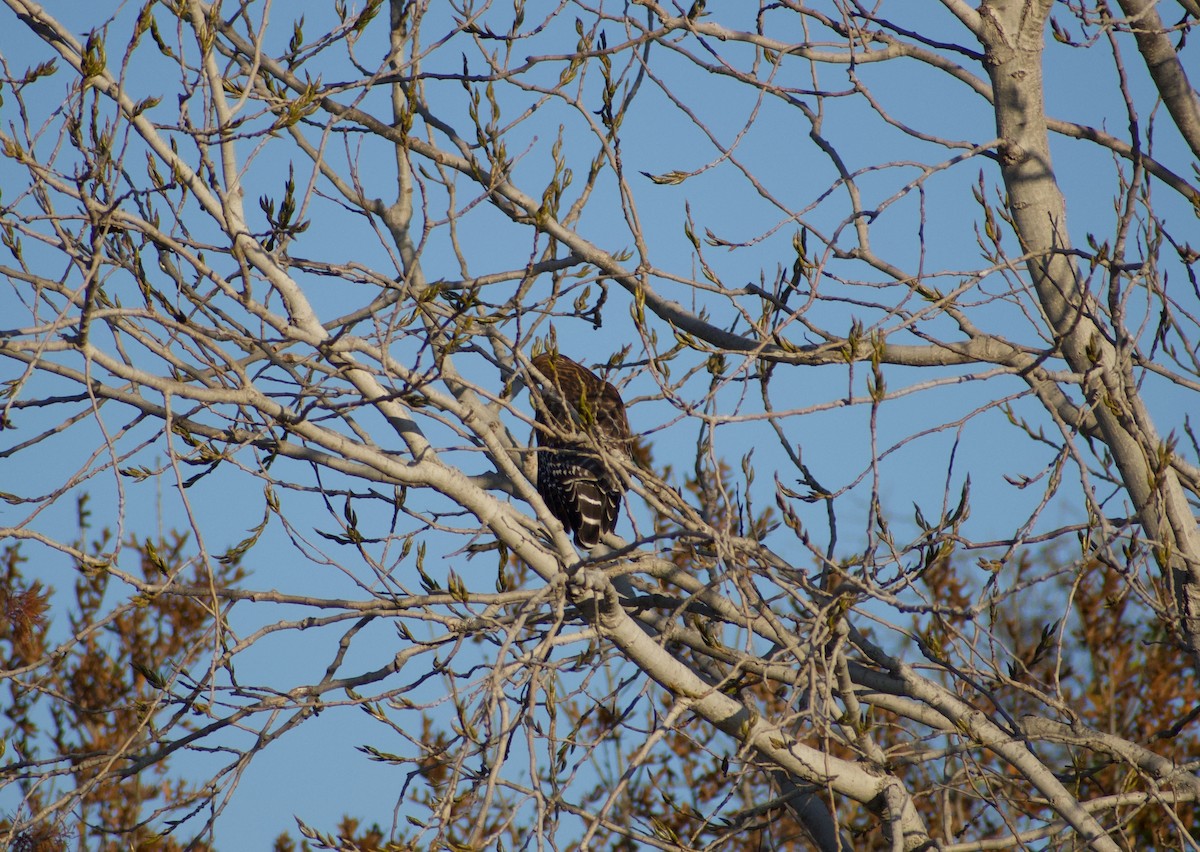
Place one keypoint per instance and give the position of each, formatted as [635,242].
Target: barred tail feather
[592,511]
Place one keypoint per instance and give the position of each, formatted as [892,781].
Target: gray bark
[1013,33]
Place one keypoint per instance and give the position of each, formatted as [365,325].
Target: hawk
[578,475]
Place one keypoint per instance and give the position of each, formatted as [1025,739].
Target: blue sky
[296,775]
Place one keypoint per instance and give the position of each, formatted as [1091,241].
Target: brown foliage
[91,712]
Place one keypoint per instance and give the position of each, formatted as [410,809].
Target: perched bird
[578,475]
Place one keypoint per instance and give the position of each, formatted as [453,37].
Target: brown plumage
[579,475]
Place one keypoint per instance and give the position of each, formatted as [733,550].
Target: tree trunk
[1013,33]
